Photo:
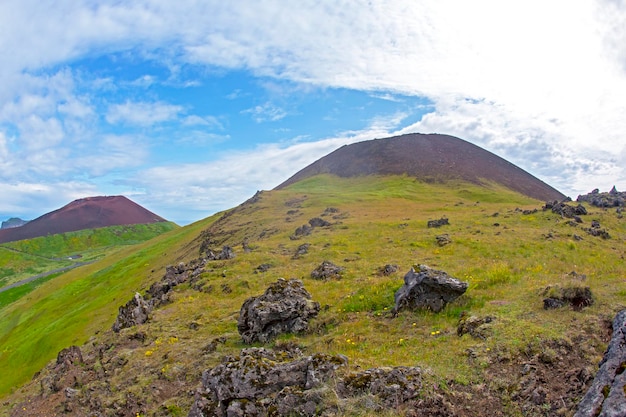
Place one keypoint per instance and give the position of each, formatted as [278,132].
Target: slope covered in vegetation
[528,361]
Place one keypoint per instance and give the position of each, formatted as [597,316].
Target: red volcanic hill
[85,213]
[432,158]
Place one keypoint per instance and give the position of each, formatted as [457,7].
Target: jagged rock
[565,210]
[443,240]
[226,253]
[438,223]
[427,288]
[69,356]
[606,396]
[392,387]
[302,250]
[388,269]
[613,198]
[252,383]
[285,307]
[303,230]
[132,313]
[318,222]
[477,327]
[262,268]
[576,296]
[596,231]
[327,270]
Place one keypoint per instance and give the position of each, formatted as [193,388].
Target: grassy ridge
[28,257]
[73,306]
[507,258]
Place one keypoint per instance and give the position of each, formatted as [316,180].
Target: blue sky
[190,107]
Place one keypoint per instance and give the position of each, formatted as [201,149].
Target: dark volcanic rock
[606,397]
[285,307]
[477,327]
[226,253]
[327,270]
[301,250]
[575,296]
[134,312]
[392,387]
[565,210]
[388,269]
[443,240]
[438,223]
[613,198]
[253,383]
[428,289]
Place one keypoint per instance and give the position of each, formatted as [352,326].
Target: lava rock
[134,312]
[285,307]
[606,396]
[327,270]
[438,223]
[252,383]
[428,288]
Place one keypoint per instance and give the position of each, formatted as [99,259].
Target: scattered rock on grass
[327,270]
[429,289]
[443,240]
[285,307]
[388,269]
[477,327]
[576,296]
[438,223]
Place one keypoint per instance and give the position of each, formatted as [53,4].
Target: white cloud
[541,83]
[266,112]
[30,200]
[142,113]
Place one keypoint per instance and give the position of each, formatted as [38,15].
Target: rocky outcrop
[565,210]
[577,297]
[429,289]
[134,312]
[307,229]
[327,270]
[264,382]
[386,387]
[138,309]
[613,198]
[261,382]
[606,396]
[226,253]
[285,307]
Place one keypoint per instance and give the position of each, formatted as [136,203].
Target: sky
[189,107]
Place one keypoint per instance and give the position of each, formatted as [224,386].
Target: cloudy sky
[188,107]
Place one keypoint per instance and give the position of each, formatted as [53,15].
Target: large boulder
[285,307]
[259,380]
[606,396]
[427,288]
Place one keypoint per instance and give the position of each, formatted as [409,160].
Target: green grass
[381,220]
[25,258]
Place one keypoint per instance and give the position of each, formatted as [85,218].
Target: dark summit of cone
[427,157]
[85,213]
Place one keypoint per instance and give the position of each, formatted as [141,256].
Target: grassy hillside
[25,258]
[508,258]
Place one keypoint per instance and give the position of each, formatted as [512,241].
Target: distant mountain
[85,213]
[428,157]
[13,222]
